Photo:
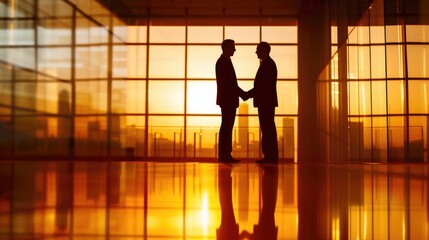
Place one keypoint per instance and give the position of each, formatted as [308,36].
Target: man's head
[228,47]
[263,50]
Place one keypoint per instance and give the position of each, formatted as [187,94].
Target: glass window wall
[147,89]
[387,88]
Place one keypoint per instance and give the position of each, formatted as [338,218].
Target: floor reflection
[129,200]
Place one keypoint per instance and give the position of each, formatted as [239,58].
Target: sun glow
[204,214]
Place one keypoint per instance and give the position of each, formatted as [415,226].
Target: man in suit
[228,93]
[264,95]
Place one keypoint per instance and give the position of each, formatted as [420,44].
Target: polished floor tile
[148,200]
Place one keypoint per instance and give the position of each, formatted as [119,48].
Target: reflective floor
[147,200]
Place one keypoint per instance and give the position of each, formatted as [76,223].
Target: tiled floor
[147,200]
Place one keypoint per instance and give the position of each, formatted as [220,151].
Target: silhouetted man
[264,95]
[228,93]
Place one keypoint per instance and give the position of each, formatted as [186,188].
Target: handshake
[246,95]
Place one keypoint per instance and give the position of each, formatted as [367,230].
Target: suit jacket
[264,90]
[228,91]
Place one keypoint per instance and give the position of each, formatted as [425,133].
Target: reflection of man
[266,228]
[264,95]
[228,93]
[228,229]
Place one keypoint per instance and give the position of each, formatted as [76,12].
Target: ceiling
[169,8]
[213,11]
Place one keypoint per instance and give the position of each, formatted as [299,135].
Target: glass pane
[202,61]
[82,29]
[287,133]
[334,35]
[364,98]
[120,31]
[201,97]
[166,96]
[30,132]
[128,135]
[394,33]
[5,72]
[136,34]
[88,32]
[90,136]
[353,97]
[367,139]
[352,63]
[6,135]
[97,34]
[167,34]
[202,136]
[128,96]
[91,62]
[379,134]
[59,134]
[378,97]
[19,57]
[334,50]
[52,97]
[377,34]
[417,139]
[286,58]
[359,98]
[358,62]
[353,39]
[245,61]
[54,32]
[42,136]
[204,34]
[396,96]
[395,61]
[418,96]
[26,96]
[287,93]
[279,34]
[364,62]
[166,136]
[91,97]
[24,74]
[242,34]
[5,94]
[396,139]
[417,33]
[18,9]
[167,61]
[129,61]
[362,34]
[55,62]
[378,63]
[17,32]
[418,61]
[356,142]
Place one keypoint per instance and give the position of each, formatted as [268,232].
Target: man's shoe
[228,160]
[267,160]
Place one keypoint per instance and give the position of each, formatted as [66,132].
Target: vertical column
[313,55]
[342,151]
[109,86]
[71,144]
